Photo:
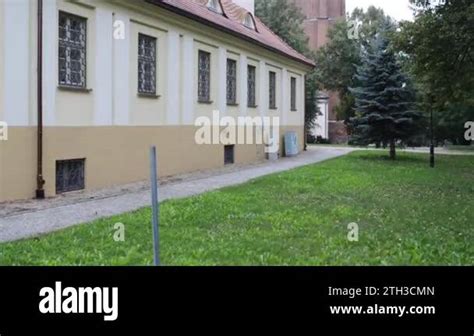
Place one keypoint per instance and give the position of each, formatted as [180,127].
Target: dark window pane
[146,64]
[293,93]
[72,54]
[231,81]
[70,175]
[272,89]
[251,86]
[204,76]
[229,154]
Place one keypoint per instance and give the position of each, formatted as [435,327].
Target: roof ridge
[231,22]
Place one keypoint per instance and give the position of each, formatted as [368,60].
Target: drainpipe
[39,168]
[305,134]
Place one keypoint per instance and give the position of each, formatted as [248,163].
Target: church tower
[320,15]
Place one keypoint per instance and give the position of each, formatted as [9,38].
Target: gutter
[219,27]
[39,141]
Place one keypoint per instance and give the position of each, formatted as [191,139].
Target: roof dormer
[249,21]
[215,6]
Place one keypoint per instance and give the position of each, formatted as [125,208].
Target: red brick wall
[321,14]
[338,132]
[322,10]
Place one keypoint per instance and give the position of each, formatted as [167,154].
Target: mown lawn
[408,214]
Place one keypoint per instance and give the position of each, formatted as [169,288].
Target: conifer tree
[385,106]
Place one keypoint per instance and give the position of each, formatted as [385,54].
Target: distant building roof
[232,21]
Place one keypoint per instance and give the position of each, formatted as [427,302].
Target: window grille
[272,88]
[72,50]
[70,175]
[293,94]
[146,64]
[231,81]
[204,76]
[251,86]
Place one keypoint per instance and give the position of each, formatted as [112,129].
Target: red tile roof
[231,22]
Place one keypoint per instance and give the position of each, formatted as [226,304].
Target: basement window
[229,155]
[70,175]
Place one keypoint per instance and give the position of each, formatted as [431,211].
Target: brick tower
[320,15]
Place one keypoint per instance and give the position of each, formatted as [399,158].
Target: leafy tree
[311,102]
[384,98]
[337,61]
[449,123]
[286,20]
[370,22]
[336,65]
[439,49]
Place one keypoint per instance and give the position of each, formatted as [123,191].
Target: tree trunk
[393,153]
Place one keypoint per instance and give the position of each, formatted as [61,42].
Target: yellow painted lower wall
[18,164]
[114,155]
[1,170]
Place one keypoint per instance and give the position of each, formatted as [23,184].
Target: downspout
[305,134]
[39,167]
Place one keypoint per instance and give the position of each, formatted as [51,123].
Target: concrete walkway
[421,150]
[33,218]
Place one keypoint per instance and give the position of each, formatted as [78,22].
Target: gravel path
[32,218]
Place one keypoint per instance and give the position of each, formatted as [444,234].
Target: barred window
[72,50]
[231,81]
[204,76]
[293,93]
[70,175]
[272,88]
[251,86]
[146,64]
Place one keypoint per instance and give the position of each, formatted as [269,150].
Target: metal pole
[155,205]
[432,148]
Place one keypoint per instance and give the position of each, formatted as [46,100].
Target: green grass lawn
[408,214]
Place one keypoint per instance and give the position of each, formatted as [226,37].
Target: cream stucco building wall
[109,124]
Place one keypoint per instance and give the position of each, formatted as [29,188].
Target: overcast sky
[397,9]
